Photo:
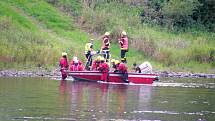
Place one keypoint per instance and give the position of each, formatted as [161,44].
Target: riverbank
[56,73]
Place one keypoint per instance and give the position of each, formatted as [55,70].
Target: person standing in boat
[104,68]
[89,53]
[123,42]
[105,49]
[122,68]
[63,65]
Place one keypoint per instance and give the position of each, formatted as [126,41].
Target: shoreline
[56,72]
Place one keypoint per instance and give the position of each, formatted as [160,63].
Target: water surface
[44,99]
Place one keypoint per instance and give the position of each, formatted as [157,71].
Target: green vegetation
[35,32]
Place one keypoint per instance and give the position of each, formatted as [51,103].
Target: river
[33,99]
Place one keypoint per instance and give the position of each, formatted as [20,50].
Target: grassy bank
[190,50]
[35,32]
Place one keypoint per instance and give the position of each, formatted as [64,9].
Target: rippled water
[33,99]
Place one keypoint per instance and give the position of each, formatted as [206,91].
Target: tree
[178,10]
[205,14]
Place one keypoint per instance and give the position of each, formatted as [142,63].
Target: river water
[33,99]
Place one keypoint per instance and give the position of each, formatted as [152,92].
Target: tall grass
[149,41]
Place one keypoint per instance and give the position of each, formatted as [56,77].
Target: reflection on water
[43,99]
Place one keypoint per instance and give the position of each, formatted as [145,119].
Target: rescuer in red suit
[63,65]
[123,41]
[105,49]
[104,68]
[96,63]
[76,65]
[123,70]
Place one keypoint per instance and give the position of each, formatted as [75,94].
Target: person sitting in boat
[96,63]
[63,65]
[145,68]
[114,65]
[76,65]
[122,68]
[104,68]
[80,66]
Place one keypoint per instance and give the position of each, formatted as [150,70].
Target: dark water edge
[56,73]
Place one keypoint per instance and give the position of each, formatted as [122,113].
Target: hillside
[34,33]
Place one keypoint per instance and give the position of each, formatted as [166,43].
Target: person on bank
[123,42]
[88,53]
[145,68]
[63,65]
[104,68]
[76,65]
[105,49]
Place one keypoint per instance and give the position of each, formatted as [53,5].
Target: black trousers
[89,59]
[125,77]
[106,53]
[123,55]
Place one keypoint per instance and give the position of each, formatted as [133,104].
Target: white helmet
[64,54]
[75,58]
[124,33]
[107,33]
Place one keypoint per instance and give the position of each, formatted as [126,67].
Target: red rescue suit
[63,67]
[95,65]
[123,41]
[106,43]
[124,71]
[76,66]
[104,68]
[122,68]
[80,66]
[106,47]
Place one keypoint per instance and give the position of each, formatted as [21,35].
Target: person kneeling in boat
[121,68]
[145,68]
[63,65]
[114,66]
[96,63]
[76,65]
[104,68]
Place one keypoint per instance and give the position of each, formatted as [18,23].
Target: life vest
[104,68]
[63,62]
[76,67]
[124,43]
[95,65]
[80,67]
[122,68]
[88,47]
[106,43]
